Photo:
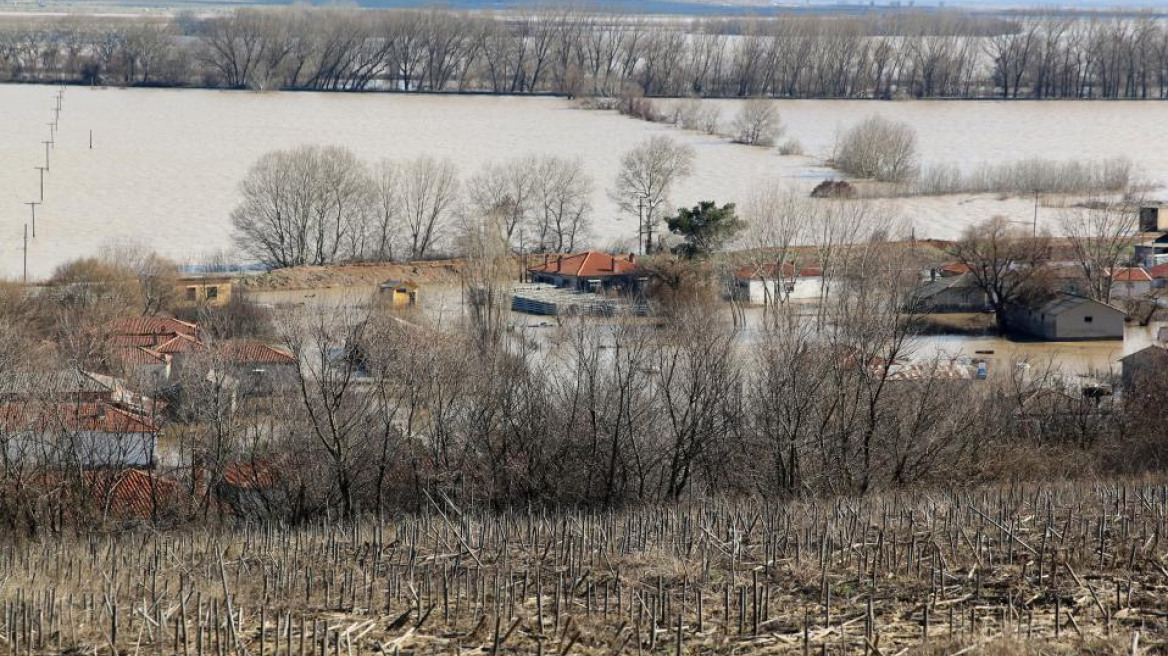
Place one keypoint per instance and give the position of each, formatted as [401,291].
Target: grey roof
[1064,302]
[963,281]
[57,382]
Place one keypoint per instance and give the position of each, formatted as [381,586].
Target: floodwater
[165,164]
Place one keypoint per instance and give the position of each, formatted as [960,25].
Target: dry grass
[986,571]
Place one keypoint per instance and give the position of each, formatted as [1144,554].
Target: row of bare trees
[314,205]
[378,410]
[579,52]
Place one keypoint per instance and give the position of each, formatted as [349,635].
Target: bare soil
[354,275]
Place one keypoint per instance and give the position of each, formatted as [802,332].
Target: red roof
[152,326]
[1159,271]
[96,417]
[768,271]
[1130,274]
[590,264]
[139,356]
[954,269]
[249,352]
[180,343]
[133,494]
[250,475]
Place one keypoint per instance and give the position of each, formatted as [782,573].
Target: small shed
[399,293]
[1067,317]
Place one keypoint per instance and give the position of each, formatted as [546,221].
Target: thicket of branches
[580,53]
[379,411]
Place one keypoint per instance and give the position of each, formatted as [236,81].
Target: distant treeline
[582,53]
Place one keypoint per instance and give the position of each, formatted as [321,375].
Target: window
[1088,319]
[212,292]
[192,293]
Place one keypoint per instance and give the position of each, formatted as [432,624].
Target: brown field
[1069,568]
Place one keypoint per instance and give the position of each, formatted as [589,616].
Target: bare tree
[563,207]
[506,190]
[1100,236]
[430,193]
[302,206]
[1006,262]
[646,177]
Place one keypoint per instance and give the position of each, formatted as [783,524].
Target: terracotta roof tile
[590,264]
[18,416]
[251,352]
[1130,274]
[768,271]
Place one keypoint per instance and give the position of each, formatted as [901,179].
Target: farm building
[1068,317]
[591,271]
[203,290]
[762,285]
[959,293]
[398,293]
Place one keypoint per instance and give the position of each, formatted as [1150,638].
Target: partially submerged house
[591,271]
[1066,317]
[1130,282]
[767,283]
[960,293]
[398,293]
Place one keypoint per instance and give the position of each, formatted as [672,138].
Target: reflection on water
[444,306]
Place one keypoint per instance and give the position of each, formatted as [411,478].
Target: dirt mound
[354,275]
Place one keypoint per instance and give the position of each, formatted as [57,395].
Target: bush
[880,149]
[757,124]
[1028,176]
[791,147]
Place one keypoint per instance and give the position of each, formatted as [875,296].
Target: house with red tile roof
[768,283]
[88,435]
[591,271]
[1130,282]
[150,346]
[259,368]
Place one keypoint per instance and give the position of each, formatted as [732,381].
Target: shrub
[880,149]
[757,123]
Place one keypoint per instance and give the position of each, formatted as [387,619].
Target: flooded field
[165,164]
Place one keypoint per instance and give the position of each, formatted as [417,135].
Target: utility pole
[91,139]
[33,204]
[52,133]
[1034,226]
[25,277]
[641,223]
[47,144]
[42,169]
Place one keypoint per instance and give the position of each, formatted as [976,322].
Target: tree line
[578,52]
